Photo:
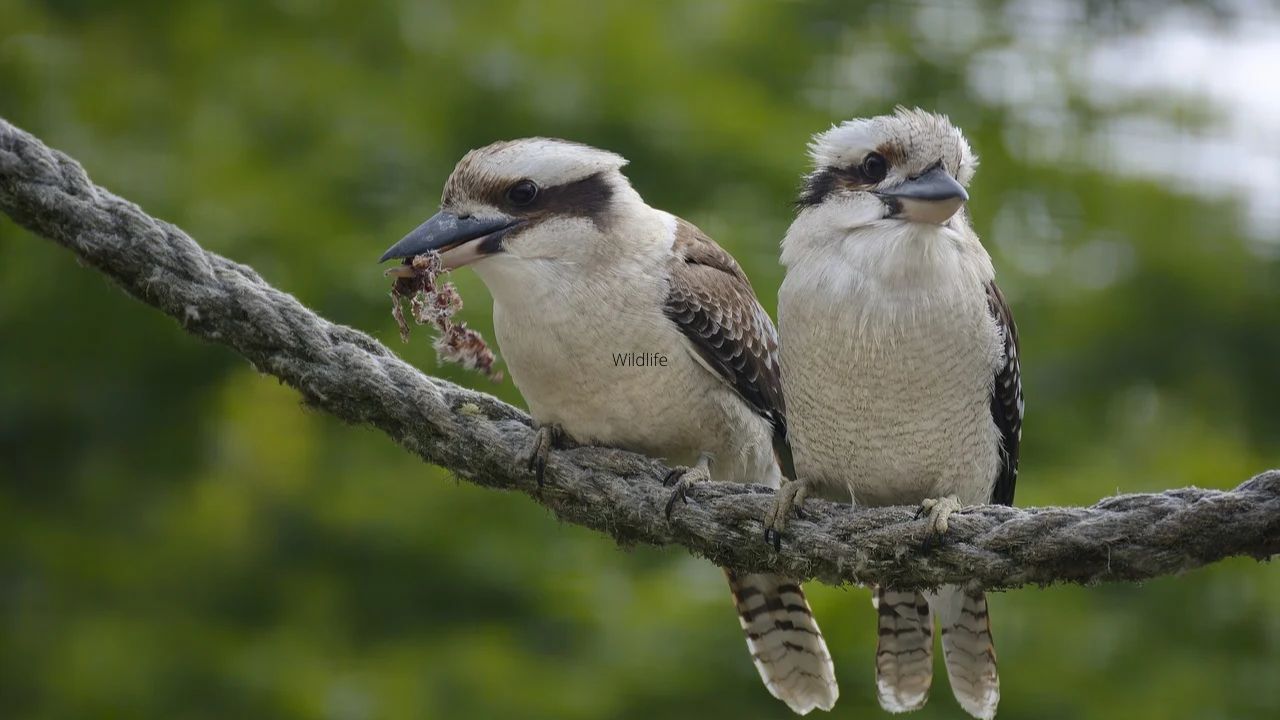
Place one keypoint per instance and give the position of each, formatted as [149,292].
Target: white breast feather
[558,331]
[888,355]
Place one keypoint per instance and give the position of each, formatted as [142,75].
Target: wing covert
[1006,398]
[711,301]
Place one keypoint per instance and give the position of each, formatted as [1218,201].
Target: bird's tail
[785,641]
[968,649]
[904,655]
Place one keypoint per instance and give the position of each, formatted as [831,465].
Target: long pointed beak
[930,198]
[460,240]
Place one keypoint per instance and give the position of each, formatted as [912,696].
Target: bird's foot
[788,499]
[682,478]
[938,511]
[544,441]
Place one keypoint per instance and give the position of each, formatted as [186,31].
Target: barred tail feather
[785,641]
[968,649]
[904,655]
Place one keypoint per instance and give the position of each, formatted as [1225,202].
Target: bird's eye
[875,167]
[522,193]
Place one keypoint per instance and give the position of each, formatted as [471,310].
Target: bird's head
[908,167]
[534,199]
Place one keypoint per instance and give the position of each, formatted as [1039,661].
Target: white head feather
[585,220]
[846,235]
[918,137]
[546,161]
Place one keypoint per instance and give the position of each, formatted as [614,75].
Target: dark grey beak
[933,197]
[445,231]
[936,184]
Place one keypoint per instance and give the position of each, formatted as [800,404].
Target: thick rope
[483,440]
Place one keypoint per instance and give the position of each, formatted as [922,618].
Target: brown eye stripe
[892,153]
[820,184]
[589,197]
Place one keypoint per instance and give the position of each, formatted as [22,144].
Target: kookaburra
[900,361]
[582,271]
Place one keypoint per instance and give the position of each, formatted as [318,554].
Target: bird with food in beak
[585,275]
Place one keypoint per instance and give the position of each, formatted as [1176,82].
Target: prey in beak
[460,240]
[931,197]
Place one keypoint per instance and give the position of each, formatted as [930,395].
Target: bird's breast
[611,369]
[889,398]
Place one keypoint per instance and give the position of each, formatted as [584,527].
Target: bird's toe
[788,499]
[545,440]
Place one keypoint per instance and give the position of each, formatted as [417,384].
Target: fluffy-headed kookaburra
[900,360]
[582,271]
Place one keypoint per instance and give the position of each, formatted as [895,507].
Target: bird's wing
[711,301]
[1006,398]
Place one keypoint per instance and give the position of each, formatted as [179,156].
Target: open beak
[459,240]
[930,198]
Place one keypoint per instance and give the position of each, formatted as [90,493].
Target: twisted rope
[483,440]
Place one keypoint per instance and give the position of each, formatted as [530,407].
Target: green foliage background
[180,539]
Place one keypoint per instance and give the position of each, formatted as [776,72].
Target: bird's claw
[787,500]
[545,440]
[938,511]
[683,478]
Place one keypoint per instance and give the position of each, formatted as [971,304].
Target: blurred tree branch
[350,375]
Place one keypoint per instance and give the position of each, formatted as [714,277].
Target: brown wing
[711,301]
[1006,398]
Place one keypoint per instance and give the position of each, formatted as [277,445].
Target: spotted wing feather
[1006,398]
[711,301]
